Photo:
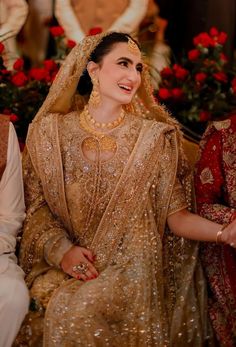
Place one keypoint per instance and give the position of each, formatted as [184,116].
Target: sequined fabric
[216,197]
[118,209]
[4,130]
[150,291]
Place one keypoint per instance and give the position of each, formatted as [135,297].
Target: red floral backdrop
[195,89]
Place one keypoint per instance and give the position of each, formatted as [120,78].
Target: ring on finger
[80,268]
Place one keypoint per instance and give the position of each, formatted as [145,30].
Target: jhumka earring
[128,108]
[94,99]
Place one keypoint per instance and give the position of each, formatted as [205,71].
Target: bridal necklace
[106,142]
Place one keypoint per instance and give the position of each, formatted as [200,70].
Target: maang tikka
[94,99]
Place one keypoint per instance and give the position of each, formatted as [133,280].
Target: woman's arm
[44,237]
[191,226]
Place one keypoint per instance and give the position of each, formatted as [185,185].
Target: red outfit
[215,184]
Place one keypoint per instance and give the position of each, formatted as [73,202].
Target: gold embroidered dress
[150,290]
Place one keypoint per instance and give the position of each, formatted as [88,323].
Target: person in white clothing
[13,15]
[14,298]
[79,17]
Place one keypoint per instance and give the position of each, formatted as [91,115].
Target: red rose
[193,54]
[19,79]
[57,31]
[204,116]
[180,72]
[214,32]
[220,76]
[2,47]
[177,93]
[95,31]
[166,72]
[5,72]
[14,118]
[203,39]
[223,58]
[71,43]
[18,65]
[50,65]
[200,77]
[222,38]
[164,93]
[38,74]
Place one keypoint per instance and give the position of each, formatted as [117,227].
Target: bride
[107,190]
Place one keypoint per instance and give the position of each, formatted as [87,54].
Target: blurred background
[188,44]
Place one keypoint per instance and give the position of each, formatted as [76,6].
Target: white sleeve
[68,20]
[132,17]
[12,206]
[16,17]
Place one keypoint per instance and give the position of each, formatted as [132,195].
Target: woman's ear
[92,69]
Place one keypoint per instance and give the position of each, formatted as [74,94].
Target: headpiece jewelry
[133,47]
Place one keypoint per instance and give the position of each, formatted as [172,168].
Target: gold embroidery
[229,158]
[225,124]
[206,176]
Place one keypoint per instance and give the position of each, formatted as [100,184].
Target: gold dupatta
[43,145]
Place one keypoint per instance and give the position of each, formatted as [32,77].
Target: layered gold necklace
[106,142]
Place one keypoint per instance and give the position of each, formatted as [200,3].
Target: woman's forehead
[123,49]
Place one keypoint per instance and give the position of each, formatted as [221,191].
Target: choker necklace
[106,142]
[109,125]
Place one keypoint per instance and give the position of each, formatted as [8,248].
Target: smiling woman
[105,179]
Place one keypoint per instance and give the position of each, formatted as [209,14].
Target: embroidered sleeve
[44,238]
[209,182]
[177,201]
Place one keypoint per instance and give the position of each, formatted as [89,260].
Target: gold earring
[129,108]
[94,99]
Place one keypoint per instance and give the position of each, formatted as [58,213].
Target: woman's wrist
[220,233]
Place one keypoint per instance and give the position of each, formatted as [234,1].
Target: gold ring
[80,268]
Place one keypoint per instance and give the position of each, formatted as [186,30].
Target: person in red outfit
[215,184]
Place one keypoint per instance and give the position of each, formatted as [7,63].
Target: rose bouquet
[202,86]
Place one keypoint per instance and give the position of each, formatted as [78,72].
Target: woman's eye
[139,68]
[123,63]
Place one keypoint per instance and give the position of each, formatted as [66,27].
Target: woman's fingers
[78,262]
[229,234]
[88,254]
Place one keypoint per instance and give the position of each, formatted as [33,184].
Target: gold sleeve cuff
[55,248]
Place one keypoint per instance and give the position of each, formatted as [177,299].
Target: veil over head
[63,96]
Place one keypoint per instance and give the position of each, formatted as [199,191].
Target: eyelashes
[124,63]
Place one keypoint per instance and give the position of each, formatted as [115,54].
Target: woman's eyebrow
[129,61]
[126,59]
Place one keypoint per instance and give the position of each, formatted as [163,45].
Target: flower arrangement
[22,91]
[201,87]
[195,90]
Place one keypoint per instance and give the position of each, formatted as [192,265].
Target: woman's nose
[134,75]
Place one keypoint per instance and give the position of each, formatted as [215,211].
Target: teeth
[125,87]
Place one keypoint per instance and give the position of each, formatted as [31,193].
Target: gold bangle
[218,236]
[219,233]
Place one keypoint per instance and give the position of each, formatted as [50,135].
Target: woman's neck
[105,113]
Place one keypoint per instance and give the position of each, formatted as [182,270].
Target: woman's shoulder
[226,124]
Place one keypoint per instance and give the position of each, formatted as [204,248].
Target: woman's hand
[229,234]
[76,256]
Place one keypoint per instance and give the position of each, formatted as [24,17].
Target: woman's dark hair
[104,47]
